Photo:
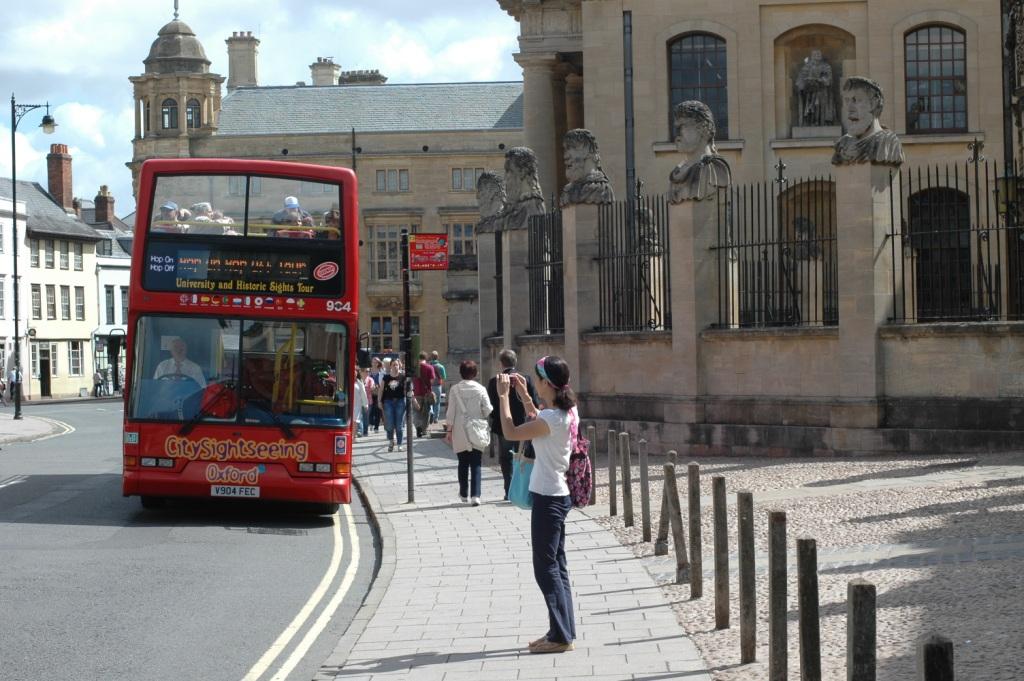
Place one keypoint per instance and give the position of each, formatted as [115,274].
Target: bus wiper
[288,433]
[204,411]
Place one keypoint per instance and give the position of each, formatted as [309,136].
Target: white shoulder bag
[478,431]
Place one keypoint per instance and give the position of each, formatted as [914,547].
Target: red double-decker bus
[242,332]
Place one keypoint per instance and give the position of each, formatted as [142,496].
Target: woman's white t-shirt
[552,451]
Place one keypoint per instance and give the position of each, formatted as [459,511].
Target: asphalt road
[94,587]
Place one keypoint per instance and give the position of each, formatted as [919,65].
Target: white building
[7,280]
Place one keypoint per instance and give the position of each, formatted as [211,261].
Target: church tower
[177,99]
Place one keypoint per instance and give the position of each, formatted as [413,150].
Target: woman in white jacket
[467,399]
[360,405]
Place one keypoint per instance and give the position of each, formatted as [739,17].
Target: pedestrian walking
[508,358]
[377,374]
[422,394]
[370,388]
[360,404]
[440,376]
[550,430]
[97,383]
[467,400]
[3,392]
[14,384]
[392,395]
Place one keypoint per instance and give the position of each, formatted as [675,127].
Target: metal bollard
[645,491]
[613,464]
[696,545]
[748,593]
[721,552]
[807,595]
[661,544]
[676,516]
[627,480]
[778,648]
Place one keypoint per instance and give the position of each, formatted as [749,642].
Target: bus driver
[178,365]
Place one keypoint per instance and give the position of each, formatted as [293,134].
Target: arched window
[936,72]
[696,66]
[193,117]
[169,114]
[940,233]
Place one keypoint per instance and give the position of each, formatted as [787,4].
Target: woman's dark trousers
[547,530]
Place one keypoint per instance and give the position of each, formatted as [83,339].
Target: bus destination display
[194,268]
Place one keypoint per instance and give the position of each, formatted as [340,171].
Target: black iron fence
[957,243]
[544,269]
[776,248]
[633,265]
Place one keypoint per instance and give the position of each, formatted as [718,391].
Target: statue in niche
[522,185]
[703,171]
[490,199]
[814,88]
[865,141]
[587,181]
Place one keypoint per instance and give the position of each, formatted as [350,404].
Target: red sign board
[428,251]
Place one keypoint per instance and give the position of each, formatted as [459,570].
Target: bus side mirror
[363,357]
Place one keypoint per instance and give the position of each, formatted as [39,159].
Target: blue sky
[78,55]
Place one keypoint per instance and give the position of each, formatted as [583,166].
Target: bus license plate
[234,491]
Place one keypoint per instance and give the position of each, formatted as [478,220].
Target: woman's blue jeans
[550,569]
[469,468]
[394,417]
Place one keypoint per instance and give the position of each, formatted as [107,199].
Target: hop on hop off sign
[428,251]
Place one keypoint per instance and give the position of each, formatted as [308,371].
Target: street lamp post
[48,125]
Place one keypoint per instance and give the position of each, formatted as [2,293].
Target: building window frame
[169,114]
[698,69]
[193,114]
[935,79]
[78,249]
[74,358]
[124,304]
[51,301]
[465,179]
[48,253]
[393,181]
[461,237]
[64,255]
[385,239]
[80,303]
[33,250]
[108,297]
[37,301]
[65,302]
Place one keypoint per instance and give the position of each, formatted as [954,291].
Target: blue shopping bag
[519,488]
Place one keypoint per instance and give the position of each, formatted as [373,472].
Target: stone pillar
[515,283]
[863,223]
[574,101]
[539,114]
[139,109]
[579,267]
[488,290]
[692,228]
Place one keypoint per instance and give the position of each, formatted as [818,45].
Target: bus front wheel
[152,503]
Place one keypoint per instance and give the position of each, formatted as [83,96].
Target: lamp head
[48,125]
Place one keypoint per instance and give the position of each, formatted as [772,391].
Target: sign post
[406,350]
[428,251]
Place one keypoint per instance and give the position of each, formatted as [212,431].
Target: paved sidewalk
[459,600]
[27,429]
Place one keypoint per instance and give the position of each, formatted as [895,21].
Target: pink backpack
[579,475]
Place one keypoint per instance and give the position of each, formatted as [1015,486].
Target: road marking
[13,480]
[332,606]
[278,646]
[68,428]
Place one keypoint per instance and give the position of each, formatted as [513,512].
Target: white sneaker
[476,501]
[464,500]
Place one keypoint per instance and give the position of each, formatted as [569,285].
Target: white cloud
[78,54]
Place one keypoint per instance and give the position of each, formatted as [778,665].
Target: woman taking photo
[549,429]
[392,396]
[467,399]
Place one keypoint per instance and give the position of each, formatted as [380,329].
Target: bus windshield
[236,370]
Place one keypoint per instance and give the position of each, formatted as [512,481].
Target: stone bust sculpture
[523,188]
[865,141]
[587,181]
[814,87]
[490,199]
[703,171]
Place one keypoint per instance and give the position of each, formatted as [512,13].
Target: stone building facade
[841,323]
[416,150]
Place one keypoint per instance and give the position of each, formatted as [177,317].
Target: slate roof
[45,216]
[120,243]
[372,108]
[89,218]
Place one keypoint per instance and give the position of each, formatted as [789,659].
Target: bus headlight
[323,468]
[148,461]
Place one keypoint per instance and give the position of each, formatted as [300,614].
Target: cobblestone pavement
[939,537]
[456,597]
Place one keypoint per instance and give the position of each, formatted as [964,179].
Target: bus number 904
[339,306]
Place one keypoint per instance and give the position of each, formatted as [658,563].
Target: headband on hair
[543,374]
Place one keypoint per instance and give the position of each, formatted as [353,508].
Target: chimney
[58,175]
[364,77]
[242,51]
[324,71]
[104,203]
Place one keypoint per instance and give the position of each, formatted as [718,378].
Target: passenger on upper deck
[292,214]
